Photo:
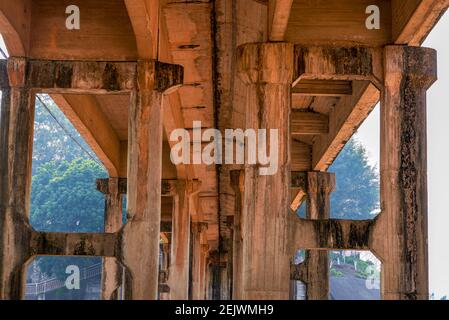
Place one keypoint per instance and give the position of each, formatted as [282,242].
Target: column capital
[237,180]
[320,180]
[199,227]
[192,187]
[109,185]
[16,68]
[270,62]
[205,248]
[418,64]
[159,76]
[313,180]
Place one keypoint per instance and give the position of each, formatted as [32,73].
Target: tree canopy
[51,142]
[356,195]
[64,197]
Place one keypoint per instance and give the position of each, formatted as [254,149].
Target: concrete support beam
[278,15]
[145,17]
[413,20]
[180,258]
[94,77]
[168,186]
[267,70]
[308,123]
[323,88]
[120,185]
[338,63]
[90,77]
[73,244]
[15,23]
[85,114]
[139,250]
[336,22]
[400,233]
[331,234]
[113,221]
[16,139]
[318,232]
[301,155]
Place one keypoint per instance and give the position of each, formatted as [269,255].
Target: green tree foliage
[51,142]
[357,192]
[356,195]
[64,197]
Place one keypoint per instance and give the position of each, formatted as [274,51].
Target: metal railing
[55,283]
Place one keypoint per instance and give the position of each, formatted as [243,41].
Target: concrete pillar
[180,257]
[203,271]
[400,233]
[164,289]
[220,283]
[237,181]
[267,70]
[113,221]
[217,279]
[139,249]
[16,140]
[316,264]
[226,280]
[200,251]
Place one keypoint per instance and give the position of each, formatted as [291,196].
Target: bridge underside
[137,70]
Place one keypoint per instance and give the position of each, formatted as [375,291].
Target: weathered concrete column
[16,140]
[267,70]
[200,251]
[180,258]
[113,189]
[217,282]
[237,180]
[139,249]
[204,269]
[400,234]
[164,289]
[315,268]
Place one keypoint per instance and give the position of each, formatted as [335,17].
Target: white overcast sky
[438,156]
